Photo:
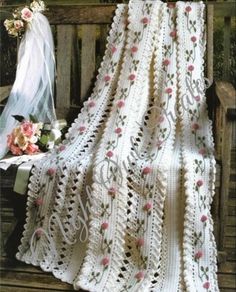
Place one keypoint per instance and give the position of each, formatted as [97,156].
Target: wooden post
[87,58]
[63,80]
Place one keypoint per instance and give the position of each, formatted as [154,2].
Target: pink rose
[10,139]
[145,20]
[18,24]
[134,49]
[166,62]
[148,206]
[139,276]
[104,225]
[171,5]
[198,255]
[91,103]
[161,119]
[113,49]
[197,98]
[39,232]
[132,77]
[26,14]
[62,148]
[193,39]
[204,218]
[168,90]
[195,127]
[82,129]
[109,154]
[140,242]
[112,191]
[15,150]
[188,9]
[147,170]
[105,261]
[173,33]
[31,149]
[107,78]
[39,202]
[120,103]
[202,151]
[206,285]
[199,183]
[27,128]
[118,130]
[51,171]
[190,68]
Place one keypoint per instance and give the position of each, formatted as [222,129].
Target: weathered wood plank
[4,92]
[63,81]
[227,281]
[227,267]
[226,94]
[87,58]
[40,281]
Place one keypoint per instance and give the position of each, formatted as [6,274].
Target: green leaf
[33,119]
[44,139]
[19,118]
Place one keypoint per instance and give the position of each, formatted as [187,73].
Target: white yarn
[136,172]
[32,91]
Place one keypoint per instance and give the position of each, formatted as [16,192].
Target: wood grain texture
[227,97]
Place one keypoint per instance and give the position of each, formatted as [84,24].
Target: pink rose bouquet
[22,18]
[24,137]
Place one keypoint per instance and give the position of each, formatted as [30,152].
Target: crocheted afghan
[123,204]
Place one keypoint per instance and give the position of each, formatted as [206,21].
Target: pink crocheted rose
[120,103]
[197,98]
[188,9]
[166,62]
[204,218]
[206,285]
[39,232]
[132,77]
[134,49]
[147,206]
[161,119]
[112,191]
[171,5]
[105,261]
[113,49]
[26,14]
[39,202]
[140,242]
[62,148]
[147,170]
[107,78]
[140,275]
[202,151]
[198,255]
[118,130]
[27,128]
[31,149]
[145,20]
[190,68]
[199,183]
[104,225]
[91,103]
[82,129]
[193,39]
[51,171]
[109,154]
[173,33]
[195,127]
[168,90]
[15,150]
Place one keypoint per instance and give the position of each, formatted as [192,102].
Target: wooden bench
[80,36]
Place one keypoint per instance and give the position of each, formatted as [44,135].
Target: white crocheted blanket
[123,204]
